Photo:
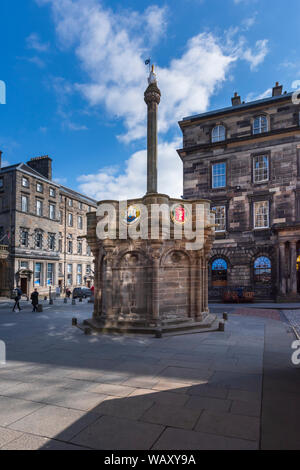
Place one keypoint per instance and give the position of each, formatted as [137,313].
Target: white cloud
[107,183]
[111,48]
[34,42]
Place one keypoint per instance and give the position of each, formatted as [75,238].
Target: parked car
[82,292]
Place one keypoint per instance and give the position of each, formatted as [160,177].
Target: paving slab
[174,439]
[173,416]
[112,433]
[226,424]
[12,410]
[8,435]
[197,403]
[52,421]
[31,442]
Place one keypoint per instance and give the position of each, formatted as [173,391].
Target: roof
[233,109]
[24,168]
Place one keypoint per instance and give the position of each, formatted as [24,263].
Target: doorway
[24,285]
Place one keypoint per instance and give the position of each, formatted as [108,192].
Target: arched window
[262,270]
[219,273]
[260,125]
[218,134]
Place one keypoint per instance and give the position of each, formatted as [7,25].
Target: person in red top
[92,289]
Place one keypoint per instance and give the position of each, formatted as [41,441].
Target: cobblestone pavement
[293,317]
[258,312]
[61,389]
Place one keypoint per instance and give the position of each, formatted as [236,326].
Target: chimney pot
[236,100]
[277,90]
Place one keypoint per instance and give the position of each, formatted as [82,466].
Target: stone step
[120,327]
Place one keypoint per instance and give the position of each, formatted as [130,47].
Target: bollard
[221,326]
[74,321]
[80,299]
[65,300]
[225,316]
[39,308]
[158,334]
[45,298]
[51,302]
[73,302]
[87,331]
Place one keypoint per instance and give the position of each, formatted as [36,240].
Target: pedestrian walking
[35,300]
[17,299]
[68,293]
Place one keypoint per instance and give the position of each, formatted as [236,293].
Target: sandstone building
[246,160]
[42,231]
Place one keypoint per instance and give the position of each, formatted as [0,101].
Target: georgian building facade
[246,160]
[42,231]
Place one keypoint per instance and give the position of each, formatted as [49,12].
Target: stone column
[282,269]
[108,285]
[152,99]
[293,261]
[155,287]
[199,290]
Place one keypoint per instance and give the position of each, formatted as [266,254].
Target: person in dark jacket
[17,299]
[35,300]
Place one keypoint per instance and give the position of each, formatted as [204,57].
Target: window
[219,175]
[218,134]
[88,251]
[90,209]
[261,214]
[24,204]
[219,273]
[88,269]
[60,217]
[79,248]
[39,240]
[80,222]
[70,247]
[24,264]
[1,183]
[70,219]
[60,198]
[260,125]
[220,218]
[79,274]
[51,241]
[50,274]
[80,206]
[25,182]
[262,270]
[70,202]
[260,169]
[37,274]
[39,187]
[39,208]
[24,238]
[52,211]
[60,245]
[52,192]
[60,269]
[69,276]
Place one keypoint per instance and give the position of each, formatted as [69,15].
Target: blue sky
[75,77]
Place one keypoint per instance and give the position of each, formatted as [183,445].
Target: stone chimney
[236,100]
[42,165]
[277,89]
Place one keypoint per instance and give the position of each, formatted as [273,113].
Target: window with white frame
[260,168]
[52,211]
[79,248]
[39,187]
[69,274]
[220,218]
[219,175]
[38,239]
[24,238]
[25,182]
[80,222]
[39,208]
[70,202]
[70,247]
[260,125]
[79,274]
[37,274]
[218,134]
[261,214]
[70,219]
[52,192]
[24,204]
[51,241]
[50,274]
